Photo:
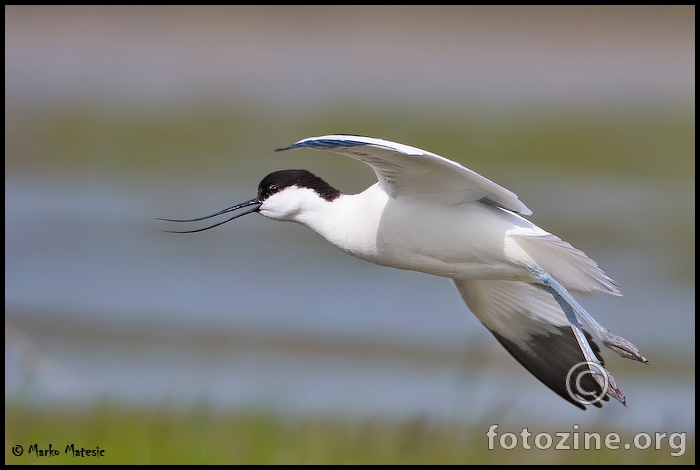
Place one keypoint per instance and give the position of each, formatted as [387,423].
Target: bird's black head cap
[278,180]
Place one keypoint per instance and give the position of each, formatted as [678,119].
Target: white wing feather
[417,175]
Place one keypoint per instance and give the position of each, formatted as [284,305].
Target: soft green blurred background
[258,342]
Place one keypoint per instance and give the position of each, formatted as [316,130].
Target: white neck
[349,222]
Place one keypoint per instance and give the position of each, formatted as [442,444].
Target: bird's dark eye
[272,188]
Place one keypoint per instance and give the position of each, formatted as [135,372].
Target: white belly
[464,241]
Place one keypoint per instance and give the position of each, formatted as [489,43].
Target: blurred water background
[117,115]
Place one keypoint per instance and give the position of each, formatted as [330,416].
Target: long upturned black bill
[252,202]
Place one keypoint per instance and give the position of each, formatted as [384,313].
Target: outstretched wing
[414,174]
[529,323]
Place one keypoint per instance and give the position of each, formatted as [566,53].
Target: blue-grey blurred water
[102,304]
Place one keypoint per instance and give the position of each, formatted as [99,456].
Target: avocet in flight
[430,214]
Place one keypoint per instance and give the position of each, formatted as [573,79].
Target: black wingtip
[551,369]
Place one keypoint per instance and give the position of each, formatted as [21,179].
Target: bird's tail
[570,266]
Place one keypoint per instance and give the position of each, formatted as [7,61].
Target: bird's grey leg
[607,382]
[617,343]
[548,284]
[583,343]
